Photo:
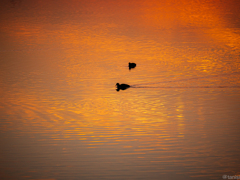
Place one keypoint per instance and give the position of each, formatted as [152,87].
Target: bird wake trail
[146,85]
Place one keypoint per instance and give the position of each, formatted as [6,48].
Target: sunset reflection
[61,113]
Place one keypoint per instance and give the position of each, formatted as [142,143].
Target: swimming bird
[122,86]
[131,65]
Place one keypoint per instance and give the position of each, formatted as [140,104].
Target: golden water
[62,118]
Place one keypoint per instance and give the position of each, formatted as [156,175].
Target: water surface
[62,118]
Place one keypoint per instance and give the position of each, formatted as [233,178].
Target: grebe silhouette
[122,86]
[131,65]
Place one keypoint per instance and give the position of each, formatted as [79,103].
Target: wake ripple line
[134,86]
[187,79]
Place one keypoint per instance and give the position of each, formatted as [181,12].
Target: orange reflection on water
[61,65]
[205,15]
[183,13]
[92,55]
[104,40]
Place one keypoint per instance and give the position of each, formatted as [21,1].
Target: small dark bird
[131,65]
[122,86]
